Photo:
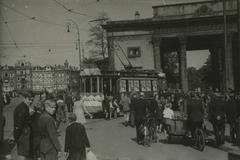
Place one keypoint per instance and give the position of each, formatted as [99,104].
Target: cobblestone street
[112,140]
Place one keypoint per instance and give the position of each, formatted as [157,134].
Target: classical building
[8,78]
[42,78]
[142,43]
[24,76]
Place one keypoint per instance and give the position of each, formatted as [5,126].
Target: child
[76,140]
[168,112]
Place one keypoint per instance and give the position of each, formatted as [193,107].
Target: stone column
[91,86]
[228,65]
[84,85]
[102,84]
[216,69]
[157,53]
[183,63]
[98,84]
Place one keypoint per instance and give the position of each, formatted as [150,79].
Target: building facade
[181,27]
[8,78]
[24,76]
[42,78]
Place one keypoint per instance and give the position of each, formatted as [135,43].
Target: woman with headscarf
[79,109]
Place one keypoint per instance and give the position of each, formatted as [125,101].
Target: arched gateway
[178,28]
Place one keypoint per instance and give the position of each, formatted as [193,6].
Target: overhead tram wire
[34,18]
[13,21]
[10,33]
[71,10]
[129,63]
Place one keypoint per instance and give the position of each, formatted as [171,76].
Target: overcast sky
[45,40]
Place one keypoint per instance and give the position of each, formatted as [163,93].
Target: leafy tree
[170,68]
[206,71]
[98,38]
[203,77]
[194,78]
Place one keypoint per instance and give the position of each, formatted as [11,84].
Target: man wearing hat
[50,147]
[21,120]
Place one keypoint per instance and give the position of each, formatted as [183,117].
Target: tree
[171,68]
[98,37]
[203,77]
[194,78]
[208,76]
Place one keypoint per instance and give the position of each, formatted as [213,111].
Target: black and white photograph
[119,79]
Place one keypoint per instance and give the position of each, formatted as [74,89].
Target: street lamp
[79,47]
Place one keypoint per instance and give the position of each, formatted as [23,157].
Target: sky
[36,30]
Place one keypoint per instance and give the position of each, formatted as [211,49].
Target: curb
[234,155]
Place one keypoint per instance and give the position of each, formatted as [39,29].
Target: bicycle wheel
[199,139]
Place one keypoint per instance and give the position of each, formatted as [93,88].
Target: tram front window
[94,85]
[88,87]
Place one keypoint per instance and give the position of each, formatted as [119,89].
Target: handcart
[177,126]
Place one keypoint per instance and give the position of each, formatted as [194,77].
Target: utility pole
[238,22]
[79,42]
[1,112]
[225,41]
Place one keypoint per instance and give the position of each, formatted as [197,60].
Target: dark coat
[69,100]
[21,130]
[153,108]
[35,135]
[139,106]
[231,111]
[76,139]
[48,132]
[195,110]
[216,107]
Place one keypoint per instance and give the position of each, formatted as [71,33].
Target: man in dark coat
[21,132]
[76,140]
[154,113]
[217,117]
[231,115]
[131,116]
[50,147]
[195,113]
[139,106]
[35,134]
[69,102]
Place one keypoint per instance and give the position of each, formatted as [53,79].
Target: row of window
[138,85]
[23,72]
[42,75]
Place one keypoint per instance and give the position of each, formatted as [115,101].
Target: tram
[96,83]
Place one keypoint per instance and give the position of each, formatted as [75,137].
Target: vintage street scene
[120,80]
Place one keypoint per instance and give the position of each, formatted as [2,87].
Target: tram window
[94,84]
[88,85]
[100,84]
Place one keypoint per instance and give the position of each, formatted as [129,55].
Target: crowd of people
[38,118]
[36,127]
[197,107]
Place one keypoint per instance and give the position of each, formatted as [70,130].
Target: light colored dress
[78,109]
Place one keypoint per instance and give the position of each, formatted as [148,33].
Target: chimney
[137,15]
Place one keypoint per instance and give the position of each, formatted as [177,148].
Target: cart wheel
[200,139]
